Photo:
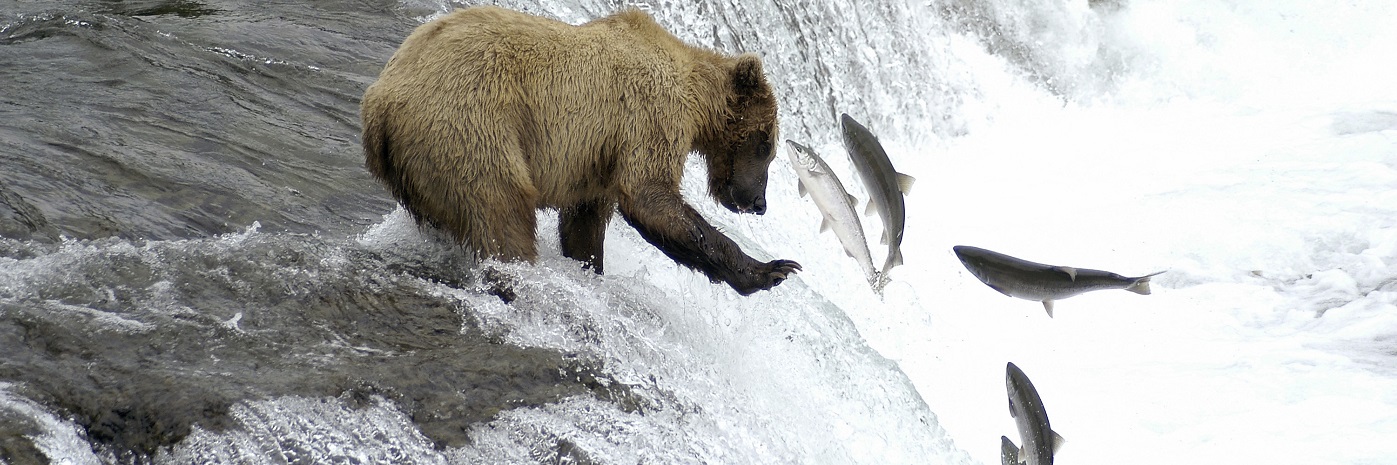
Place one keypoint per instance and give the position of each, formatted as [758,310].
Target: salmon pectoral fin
[1008,452]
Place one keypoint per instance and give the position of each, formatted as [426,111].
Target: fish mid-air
[885,185]
[1020,278]
[836,206]
[1039,440]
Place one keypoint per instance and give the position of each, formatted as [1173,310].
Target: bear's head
[741,149]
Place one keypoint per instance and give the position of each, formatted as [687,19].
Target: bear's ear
[747,77]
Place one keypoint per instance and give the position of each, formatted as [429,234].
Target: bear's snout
[738,201]
[746,192]
[759,205]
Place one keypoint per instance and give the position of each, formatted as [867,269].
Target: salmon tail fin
[1141,285]
[878,281]
[893,260]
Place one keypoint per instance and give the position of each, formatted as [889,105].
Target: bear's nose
[759,205]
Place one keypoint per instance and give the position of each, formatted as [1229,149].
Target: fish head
[1014,382]
[975,261]
[803,157]
[739,151]
[862,145]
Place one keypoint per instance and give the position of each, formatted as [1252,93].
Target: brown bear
[485,115]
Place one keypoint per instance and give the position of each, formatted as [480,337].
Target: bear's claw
[768,275]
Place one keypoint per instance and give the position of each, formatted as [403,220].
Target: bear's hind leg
[508,232]
[582,232]
[498,206]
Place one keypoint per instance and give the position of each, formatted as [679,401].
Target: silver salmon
[836,207]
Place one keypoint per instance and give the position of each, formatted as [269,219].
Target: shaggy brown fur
[485,115]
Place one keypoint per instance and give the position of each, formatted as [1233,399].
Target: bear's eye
[763,144]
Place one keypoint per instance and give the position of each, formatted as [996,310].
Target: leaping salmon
[836,207]
[885,185]
[1020,278]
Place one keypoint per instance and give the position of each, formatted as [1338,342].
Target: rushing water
[196,268]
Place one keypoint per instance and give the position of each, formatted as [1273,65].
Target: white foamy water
[1247,147]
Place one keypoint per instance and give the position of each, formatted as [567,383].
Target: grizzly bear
[485,115]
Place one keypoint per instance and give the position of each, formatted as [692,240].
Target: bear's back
[512,43]
[573,98]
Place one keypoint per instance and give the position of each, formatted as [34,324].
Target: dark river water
[133,135]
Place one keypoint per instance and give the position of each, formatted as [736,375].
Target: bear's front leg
[667,222]
[582,231]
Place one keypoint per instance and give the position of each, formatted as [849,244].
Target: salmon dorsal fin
[1071,272]
[904,183]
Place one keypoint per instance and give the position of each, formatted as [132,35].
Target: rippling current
[195,266]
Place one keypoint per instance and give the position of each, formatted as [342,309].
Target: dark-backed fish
[885,185]
[1020,278]
[1039,440]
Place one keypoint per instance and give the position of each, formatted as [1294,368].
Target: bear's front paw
[766,276]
